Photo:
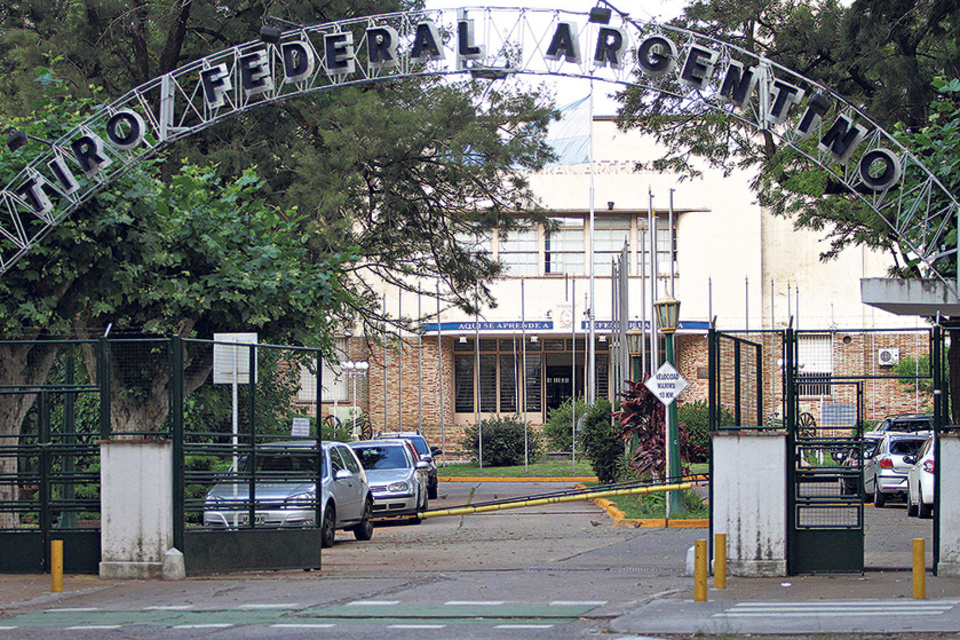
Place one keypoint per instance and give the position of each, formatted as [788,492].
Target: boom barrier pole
[590,495]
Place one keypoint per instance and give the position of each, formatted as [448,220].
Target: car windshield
[382,457]
[275,462]
[421,445]
[905,447]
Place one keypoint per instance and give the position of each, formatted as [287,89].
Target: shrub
[503,442]
[601,441]
[557,429]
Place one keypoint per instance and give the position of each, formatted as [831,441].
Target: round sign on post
[666,384]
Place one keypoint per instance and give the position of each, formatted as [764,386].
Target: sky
[569,90]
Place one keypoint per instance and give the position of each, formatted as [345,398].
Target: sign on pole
[231,362]
[666,384]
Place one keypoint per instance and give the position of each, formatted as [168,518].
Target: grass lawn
[546,469]
[652,506]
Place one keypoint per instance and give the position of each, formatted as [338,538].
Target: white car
[398,479]
[885,470]
[286,491]
[920,481]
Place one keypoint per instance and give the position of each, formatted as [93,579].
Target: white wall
[948,468]
[136,498]
[750,501]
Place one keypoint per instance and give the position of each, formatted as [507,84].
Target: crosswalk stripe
[93,627]
[524,626]
[836,608]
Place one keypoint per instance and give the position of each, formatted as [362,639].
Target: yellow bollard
[700,571]
[56,566]
[919,570]
[720,561]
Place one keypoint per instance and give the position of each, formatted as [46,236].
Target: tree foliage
[642,419]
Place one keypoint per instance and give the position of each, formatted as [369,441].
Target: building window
[610,234]
[519,252]
[564,247]
[665,252]
[814,365]
[335,387]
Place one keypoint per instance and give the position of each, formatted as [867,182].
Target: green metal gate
[49,469]
[825,529]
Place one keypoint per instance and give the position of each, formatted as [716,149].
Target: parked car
[286,494]
[853,458]
[424,450]
[398,480]
[885,471]
[920,490]
[905,423]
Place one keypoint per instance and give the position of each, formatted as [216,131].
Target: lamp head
[16,139]
[270,34]
[668,314]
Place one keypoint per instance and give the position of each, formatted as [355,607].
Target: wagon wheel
[331,423]
[807,425]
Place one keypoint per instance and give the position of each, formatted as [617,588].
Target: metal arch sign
[487,43]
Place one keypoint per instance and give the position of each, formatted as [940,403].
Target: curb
[620,519]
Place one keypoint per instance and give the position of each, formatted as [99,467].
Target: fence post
[176,423]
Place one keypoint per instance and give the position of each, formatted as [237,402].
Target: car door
[870,458]
[349,487]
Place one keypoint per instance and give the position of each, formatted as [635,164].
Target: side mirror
[427,457]
[343,474]
[422,464]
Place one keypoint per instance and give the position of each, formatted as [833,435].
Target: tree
[888,57]
[400,171]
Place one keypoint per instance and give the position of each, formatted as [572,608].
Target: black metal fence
[227,408]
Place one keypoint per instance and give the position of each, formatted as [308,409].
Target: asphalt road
[552,572]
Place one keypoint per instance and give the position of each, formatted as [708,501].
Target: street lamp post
[635,347]
[668,315]
[355,370]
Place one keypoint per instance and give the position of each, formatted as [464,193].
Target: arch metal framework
[490,43]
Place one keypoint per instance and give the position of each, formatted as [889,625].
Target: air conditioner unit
[888,357]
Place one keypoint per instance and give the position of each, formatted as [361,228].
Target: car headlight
[398,487]
[305,499]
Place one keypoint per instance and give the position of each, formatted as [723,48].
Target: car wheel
[879,500]
[432,490]
[924,510]
[911,508]
[328,531]
[364,530]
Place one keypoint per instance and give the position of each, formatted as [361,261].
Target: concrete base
[757,568]
[131,570]
[948,569]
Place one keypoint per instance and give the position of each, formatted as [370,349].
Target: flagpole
[591,346]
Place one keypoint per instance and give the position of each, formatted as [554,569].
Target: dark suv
[426,452]
[905,423]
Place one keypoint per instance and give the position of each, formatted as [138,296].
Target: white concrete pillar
[136,506]
[750,500]
[948,468]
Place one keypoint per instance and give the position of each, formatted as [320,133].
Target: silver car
[885,470]
[920,481]
[398,479]
[286,494]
